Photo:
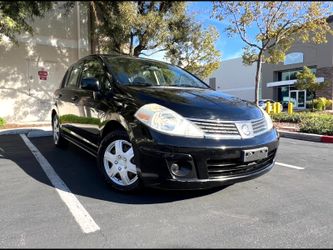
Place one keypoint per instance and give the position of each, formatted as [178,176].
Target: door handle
[74,98]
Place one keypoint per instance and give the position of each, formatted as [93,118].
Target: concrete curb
[30,131]
[306,136]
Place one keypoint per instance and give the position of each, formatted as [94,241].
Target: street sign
[42,74]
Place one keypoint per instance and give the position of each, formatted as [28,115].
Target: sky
[229,47]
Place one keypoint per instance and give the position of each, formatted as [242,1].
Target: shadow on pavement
[79,172]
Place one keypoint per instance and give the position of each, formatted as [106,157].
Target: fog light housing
[180,169]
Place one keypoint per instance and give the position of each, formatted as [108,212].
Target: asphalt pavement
[289,207]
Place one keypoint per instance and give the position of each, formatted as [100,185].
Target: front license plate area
[254,154]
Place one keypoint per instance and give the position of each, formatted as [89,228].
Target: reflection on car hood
[196,103]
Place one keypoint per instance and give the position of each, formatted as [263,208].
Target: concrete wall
[58,42]
[235,78]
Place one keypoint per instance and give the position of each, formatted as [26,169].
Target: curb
[306,136]
[30,131]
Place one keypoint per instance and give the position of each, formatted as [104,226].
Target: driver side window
[94,68]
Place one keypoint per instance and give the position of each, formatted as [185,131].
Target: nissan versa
[154,124]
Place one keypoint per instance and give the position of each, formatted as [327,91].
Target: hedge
[309,122]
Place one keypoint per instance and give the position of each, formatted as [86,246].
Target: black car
[153,123]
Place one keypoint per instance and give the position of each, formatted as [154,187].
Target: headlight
[268,120]
[167,121]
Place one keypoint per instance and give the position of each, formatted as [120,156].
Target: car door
[67,101]
[92,104]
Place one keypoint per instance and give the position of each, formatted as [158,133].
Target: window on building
[292,58]
[291,74]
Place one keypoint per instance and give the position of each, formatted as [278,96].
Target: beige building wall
[235,78]
[59,41]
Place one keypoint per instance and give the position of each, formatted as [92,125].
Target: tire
[58,139]
[115,160]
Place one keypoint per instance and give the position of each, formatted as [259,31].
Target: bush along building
[278,80]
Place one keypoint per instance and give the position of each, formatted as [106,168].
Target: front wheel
[115,160]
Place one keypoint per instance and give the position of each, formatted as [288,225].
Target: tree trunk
[258,77]
[131,45]
[137,50]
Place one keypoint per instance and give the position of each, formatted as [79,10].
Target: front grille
[259,126]
[221,168]
[215,127]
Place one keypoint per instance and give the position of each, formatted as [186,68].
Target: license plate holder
[254,154]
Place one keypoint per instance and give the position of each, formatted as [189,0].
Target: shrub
[2,122]
[285,117]
[319,124]
[322,103]
[297,117]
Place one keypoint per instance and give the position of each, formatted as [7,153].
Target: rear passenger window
[73,77]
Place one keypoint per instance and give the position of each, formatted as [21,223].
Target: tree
[134,28]
[307,80]
[15,17]
[197,52]
[278,25]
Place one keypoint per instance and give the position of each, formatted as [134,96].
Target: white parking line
[80,214]
[287,165]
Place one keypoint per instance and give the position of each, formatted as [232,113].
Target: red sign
[42,74]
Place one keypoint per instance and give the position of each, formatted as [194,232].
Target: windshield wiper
[185,86]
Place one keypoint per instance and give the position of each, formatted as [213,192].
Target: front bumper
[209,162]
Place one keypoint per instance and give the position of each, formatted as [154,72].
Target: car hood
[195,102]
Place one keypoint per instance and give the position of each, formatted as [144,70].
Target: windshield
[136,72]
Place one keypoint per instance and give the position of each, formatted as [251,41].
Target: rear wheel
[116,162]
[58,139]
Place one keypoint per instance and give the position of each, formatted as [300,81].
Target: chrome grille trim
[217,128]
[228,129]
[259,126]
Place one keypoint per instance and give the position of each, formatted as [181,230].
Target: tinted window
[94,68]
[292,58]
[73,77]
[131,71]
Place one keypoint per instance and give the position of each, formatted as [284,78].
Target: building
[30,72]
[278,79]
[234,78]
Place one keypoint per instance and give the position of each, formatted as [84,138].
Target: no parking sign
[42,74]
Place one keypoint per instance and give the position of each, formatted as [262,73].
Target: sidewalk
[35,131]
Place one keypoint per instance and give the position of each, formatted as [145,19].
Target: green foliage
[285,117]
[306,79]
[2,122]
[79,119]
[322,124]
[297,117]
[16,16]
[279,24]
[137,27]
[322,103]
[197,53]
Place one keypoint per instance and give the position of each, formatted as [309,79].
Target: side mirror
[90,83]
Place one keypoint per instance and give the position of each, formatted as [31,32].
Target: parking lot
[291,206]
